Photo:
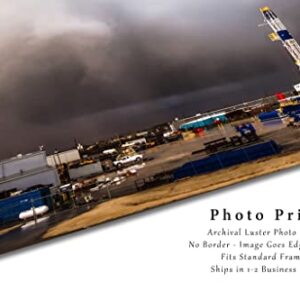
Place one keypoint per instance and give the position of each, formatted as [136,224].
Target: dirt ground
[179,190]
[7,230]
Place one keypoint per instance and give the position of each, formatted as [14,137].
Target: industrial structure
[86,170]
[24,171]
[227,137]
[281,33]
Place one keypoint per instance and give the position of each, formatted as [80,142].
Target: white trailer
[64,157]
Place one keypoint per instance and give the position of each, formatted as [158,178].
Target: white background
[147,256]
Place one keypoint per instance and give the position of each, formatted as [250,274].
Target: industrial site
[44,195]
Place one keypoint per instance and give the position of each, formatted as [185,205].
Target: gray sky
[94,68]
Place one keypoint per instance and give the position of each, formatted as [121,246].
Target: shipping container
[86,171]
[64,157]
[290,108]
[266,116]
[10,208]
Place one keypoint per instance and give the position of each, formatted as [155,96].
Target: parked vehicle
[112,151]
[172,136]
[124,160]
[139,144]
[247,132]
[247,135]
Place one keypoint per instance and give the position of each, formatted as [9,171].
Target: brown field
[179,190]
[9,229]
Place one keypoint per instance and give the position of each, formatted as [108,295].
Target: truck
[247,132]
[246,135]
[125,160]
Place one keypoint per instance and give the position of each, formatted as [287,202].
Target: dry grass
[189,187]
[7,230]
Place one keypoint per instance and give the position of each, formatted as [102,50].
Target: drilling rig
[281,33]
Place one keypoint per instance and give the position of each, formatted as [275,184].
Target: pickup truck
[125,160]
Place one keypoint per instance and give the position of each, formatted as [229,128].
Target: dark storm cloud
[66,64]
[53,81]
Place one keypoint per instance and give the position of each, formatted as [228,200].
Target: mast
[281,33]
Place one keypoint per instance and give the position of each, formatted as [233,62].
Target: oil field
[43,196]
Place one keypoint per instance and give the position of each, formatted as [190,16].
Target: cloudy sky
[91,69]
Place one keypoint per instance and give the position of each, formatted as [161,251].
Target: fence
[35,204]
[11,208]
[74,202]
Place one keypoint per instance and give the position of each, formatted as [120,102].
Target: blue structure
[10,208]
[245,129]
[290,109]
[268,116]
[295,115]
[281,33]
[227,159]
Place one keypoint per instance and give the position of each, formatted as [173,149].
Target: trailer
[221,144]
[246,135]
